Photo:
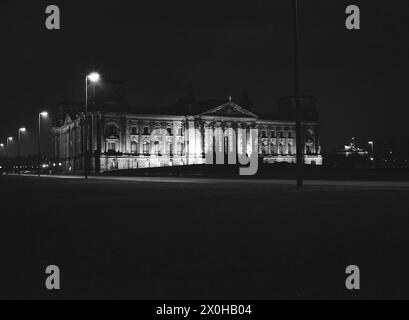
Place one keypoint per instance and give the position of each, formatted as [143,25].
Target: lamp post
[93,77]
[18,150]
[9,139]
[371,143]
[298,133]
[2,145]
[41,114]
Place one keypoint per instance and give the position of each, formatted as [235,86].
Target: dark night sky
[220,47]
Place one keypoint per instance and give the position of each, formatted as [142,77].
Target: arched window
[134,147]
[146,146]
[111,130]
[290,148]
[263,134]
[156,148]
[263,149]
[273,148]
[180,148]
[170,148]
[281,149]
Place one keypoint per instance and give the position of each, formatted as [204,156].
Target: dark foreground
[201,239]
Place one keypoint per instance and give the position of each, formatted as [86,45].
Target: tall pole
[93,77]
[86,130]
[39,143]
[18,152]
[8,155]
[298,128]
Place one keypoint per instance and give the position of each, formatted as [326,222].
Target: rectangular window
[111,146]
[145,131]
[134,130]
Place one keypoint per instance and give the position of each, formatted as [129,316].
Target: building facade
[126,140]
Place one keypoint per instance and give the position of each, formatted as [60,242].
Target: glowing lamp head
[22,129]
[10,138]
[370,142]
[44,114]
[94,77]
[1,145]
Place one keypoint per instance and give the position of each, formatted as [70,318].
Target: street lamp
[9,139]
[18,150]
[43,114]
[92,77]
[371,143]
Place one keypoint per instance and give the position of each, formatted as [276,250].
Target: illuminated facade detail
[119,140]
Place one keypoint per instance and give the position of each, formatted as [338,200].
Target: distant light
[45,166]
[22,129]
[1,145]
[1,167]
[44,114]
[53,164]
[370,142]
[10,138]
[60,164]
[94,77]
[372,158]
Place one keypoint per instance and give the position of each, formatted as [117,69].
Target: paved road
[172,238]
[199,180]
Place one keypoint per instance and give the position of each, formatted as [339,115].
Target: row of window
[112,130]
[147,131]
[281,134]
[280,150]
[156,148]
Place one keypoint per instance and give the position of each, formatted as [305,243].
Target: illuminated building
[130,140]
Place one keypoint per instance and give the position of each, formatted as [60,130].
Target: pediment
[229,109]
